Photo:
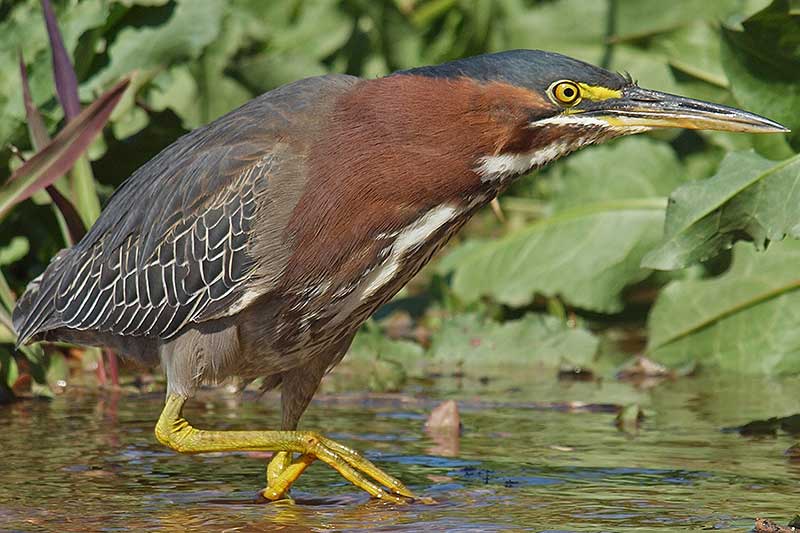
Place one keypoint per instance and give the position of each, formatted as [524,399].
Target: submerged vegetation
[680,246]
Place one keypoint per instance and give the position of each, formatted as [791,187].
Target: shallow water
[89,462]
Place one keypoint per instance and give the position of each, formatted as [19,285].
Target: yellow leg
[277,465]
[174,431]
[279,462]
[278,486]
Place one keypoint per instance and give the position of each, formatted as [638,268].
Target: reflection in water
[87,462]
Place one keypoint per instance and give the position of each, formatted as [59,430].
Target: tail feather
[35,309]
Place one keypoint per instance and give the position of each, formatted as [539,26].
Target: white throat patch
[590,130]
[496,167]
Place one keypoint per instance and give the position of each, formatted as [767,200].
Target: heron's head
[558,104]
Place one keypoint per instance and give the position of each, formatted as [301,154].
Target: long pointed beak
[640,107]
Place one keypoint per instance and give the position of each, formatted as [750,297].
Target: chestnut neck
[393,149]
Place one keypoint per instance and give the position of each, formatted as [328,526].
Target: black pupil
[569,92]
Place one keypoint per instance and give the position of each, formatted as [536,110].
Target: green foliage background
[573,268]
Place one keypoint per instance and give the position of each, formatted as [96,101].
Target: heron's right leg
[174,431]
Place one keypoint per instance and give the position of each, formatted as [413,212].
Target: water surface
[89,461]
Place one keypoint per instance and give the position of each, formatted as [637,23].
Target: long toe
[353,468]
[359,462]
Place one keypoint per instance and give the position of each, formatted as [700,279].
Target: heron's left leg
[297,388]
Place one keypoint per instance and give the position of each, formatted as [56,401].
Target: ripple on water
[91,463]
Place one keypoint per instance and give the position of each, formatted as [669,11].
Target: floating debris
[768,427]
[576,373]
[643,368]
[444,427]
[767,526]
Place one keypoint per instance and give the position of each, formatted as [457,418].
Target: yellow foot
[277,465]
[174,431]
[282,474]
[352,466]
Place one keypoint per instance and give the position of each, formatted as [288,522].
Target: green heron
[255,246]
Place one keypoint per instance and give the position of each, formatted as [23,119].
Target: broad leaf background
[686,240]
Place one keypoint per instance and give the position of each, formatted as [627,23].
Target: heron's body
[255,246]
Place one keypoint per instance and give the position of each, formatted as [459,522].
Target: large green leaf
[586,256]
[188,89]
[749,197]
[639,18]
[649,68]
[534,340]
[695,50]
[745,320]
[318,28]
[192,25]
[23,29]
[634,167]
[609,204]
[572,27]
[311,32]
[762,61]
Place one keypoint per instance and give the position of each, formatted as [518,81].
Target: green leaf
[648,68]
[7,301]
[377,362]
[201,91]
[749,197]
[176,89]
[633,167]
[6,335]
[534,340]
[586,256]
[9,371]
[427,13]
[191,27]
[371,344]
[695,50]
[639,18]
[318,29]
[269,70]
[219,93]
[15,250]
[130,3]
[61,153]
[573,27]
[84,191]
[762,62]
[610,204]
[744,321]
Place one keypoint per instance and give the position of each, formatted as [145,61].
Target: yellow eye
[566,93]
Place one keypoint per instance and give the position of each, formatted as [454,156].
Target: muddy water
[89,462]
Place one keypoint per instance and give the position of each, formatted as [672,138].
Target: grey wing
[170,248]
[182,264]
[174,244]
